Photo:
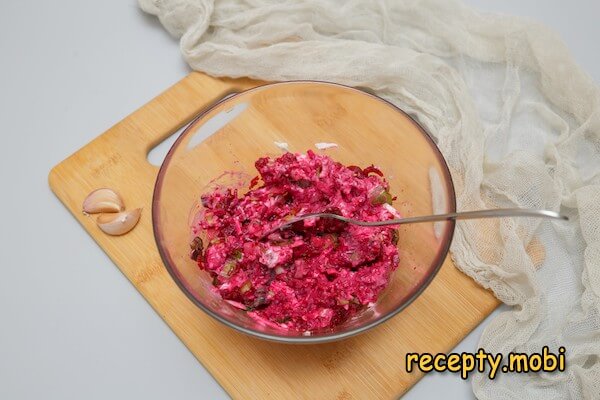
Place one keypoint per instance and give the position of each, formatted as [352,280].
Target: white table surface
[71,324]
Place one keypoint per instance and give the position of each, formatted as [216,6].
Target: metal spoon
[495,213]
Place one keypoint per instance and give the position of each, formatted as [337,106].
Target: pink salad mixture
[317,273]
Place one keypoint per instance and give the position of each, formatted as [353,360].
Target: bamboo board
[369,366]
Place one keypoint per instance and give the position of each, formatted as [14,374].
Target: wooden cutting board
[368,366]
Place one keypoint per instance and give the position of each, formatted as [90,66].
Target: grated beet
[316,274]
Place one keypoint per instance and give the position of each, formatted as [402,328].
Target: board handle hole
[157,154]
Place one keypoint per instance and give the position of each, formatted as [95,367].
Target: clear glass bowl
[222,144]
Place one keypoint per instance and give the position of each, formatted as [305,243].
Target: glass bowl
[221,145]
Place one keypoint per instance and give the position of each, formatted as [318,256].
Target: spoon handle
[494,213]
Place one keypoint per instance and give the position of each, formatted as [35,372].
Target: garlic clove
[103,201]
[119,224]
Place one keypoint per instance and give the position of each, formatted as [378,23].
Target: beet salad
[315,274]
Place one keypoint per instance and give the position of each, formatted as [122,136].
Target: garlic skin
[103,201]
[282,145]
[325,146]
[120,223]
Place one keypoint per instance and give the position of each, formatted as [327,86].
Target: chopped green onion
[197,246]
[237,254]
[395,236]
[245,287]
[380,196]
[334,238]
[228,268]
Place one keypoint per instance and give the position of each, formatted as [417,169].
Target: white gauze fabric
[517,120]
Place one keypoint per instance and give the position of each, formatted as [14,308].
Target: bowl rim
[438,262]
